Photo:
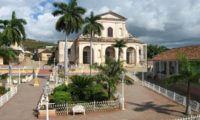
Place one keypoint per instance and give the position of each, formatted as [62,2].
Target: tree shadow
[164,109]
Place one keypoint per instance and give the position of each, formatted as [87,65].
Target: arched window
[110,32]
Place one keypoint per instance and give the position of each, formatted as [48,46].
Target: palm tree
[110,72]
[8,54]
[14,31]
[119,44]
[3,25]
[188,74]
[70,21]
[92,28]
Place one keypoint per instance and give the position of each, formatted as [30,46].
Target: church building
[134,54]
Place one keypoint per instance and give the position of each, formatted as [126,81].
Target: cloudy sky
[172,23]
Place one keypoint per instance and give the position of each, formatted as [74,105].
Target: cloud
[171,23]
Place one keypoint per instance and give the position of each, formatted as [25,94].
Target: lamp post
[39,62]
[46,95]
[122,97]
[10,75]
[19,75]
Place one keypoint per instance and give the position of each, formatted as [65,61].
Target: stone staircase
[132,76]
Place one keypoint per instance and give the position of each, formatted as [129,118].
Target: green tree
[110,72]
[13,30]
[92,28]
[79,86]
[153,50]
[187,74]
[70,21]
[119,44]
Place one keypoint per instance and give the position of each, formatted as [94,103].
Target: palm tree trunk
[119,54]
[66,59]
[188,106]
[91,35]
[109,92]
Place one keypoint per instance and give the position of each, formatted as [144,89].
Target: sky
[172,23]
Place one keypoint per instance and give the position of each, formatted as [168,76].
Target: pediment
[112,15]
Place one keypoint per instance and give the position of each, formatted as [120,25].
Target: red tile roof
[192,52]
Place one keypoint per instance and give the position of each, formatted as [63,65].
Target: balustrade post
[174,96]
[159,89]
[94,106]
[184,101]
[198,107]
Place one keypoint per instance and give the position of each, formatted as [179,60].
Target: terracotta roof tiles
[192,52]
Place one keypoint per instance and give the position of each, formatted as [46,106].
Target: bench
[78,109]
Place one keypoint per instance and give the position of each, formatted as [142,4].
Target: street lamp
[46,96]
[122,96]
[39,62]
[10,75]
[19,75]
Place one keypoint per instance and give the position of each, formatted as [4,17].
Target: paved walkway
[141,104]
[22,105]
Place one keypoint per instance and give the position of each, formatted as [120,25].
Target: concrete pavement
[22,105]
[141,104]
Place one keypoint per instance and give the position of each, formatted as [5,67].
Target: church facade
[134,54]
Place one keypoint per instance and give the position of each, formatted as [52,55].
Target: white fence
[195,117]
[6,97]
[65,109]
[172,95]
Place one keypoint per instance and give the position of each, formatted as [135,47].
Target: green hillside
[32,45]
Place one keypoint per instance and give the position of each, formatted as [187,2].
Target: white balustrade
[7,96]
[172,95]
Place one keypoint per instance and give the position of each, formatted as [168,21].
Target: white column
[154,68]
[103,51]
[80,54]
[124,55]
[137,56]
[177,67]
[167,68]
[160,69]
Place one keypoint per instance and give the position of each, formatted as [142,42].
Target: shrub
[2,90]
[4,76]
[60,97]
[62,87]
[97,93]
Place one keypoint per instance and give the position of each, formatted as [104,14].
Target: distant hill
[32,45]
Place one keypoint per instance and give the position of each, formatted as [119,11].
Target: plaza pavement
[22,105]
[141,104]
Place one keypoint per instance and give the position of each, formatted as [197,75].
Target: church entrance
[131,56]
[110,53]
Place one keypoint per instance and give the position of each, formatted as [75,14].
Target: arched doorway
[110,32]
[110,53]
[131,56]
[86,55]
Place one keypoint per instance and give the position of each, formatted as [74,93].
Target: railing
[195,117]
[65,109]
[172,95]
[7,96]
